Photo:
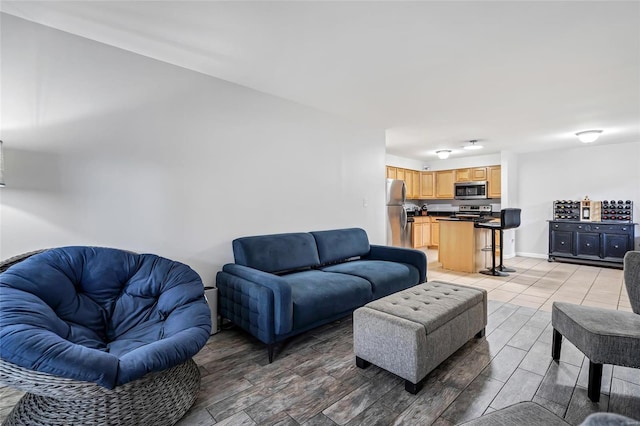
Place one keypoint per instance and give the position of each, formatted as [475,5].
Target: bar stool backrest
[509,218]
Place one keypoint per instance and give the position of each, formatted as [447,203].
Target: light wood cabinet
[416,184]
[440,184]
[408,182]
[463,175]
[421,232]
[412,179]
[435,233]
[427,185]
[426,233]
[416,238]
[494,182]
[479,174]
[471,174]
[444,184]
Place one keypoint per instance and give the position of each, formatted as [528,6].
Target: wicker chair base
[159,398]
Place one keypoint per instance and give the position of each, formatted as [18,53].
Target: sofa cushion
[101,315]
[277,252]
[319,295]
[385,277]
[340,244]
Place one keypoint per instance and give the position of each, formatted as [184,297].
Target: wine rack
[566,210]
[620,211]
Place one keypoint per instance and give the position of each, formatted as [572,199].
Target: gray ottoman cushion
[411,332]
[605,336]
[431,305]
[522,413]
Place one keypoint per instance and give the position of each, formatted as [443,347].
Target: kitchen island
[461,245]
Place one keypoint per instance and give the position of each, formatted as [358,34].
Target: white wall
[435,164]
[105,147]
[601,172]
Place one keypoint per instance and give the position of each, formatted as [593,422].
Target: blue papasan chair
[100,336]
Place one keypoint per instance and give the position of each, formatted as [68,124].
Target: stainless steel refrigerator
[398,227]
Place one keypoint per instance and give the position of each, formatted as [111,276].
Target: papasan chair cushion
[101,315]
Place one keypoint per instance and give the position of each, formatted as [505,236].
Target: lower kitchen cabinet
[590,242]
[435,233]
[421,232]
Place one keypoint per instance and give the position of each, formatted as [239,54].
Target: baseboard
[534,255]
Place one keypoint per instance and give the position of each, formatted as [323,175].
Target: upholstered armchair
[605,336]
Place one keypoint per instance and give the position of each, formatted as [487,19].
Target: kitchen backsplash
[449,205]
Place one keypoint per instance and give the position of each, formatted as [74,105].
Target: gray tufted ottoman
[411,332]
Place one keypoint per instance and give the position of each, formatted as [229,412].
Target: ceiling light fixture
[588,136]
[443,153]
[472,145]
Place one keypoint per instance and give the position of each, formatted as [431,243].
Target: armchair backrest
[632,278]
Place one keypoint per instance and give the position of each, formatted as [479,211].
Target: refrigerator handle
[403,219]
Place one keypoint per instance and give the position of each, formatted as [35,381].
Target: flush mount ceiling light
[588,136]
[473,144]
[443,153]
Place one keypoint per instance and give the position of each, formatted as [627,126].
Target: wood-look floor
[314,381]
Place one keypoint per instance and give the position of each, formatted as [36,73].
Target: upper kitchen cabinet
[408,181]
[427,185]
[471,175]
[400,174]
[494,182]
[444,184]
[392,172]
[412,179]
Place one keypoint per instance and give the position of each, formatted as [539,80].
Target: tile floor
[537,283]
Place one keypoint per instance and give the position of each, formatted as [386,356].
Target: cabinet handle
[597,227]
[624,229]
[562,243]
[588,245]
[555,226]
[579,226]
[615,246]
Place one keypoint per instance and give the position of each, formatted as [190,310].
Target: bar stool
[509,219]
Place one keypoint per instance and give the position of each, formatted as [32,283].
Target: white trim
[534,255]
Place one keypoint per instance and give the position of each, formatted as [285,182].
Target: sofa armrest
[271,293]
[413,257]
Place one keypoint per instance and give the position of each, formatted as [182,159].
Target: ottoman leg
[556,344]
[361,363]
[412,388]
[480,333]
[595,381]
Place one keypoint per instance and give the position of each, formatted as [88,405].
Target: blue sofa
[284,284]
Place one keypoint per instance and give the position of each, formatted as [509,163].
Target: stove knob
[612,202]
[620,202]
[628,202]
[619,217]
[627,217]
[627,207]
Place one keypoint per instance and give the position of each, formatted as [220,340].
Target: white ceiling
[520,76]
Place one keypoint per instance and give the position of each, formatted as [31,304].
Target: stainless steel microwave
[471,190]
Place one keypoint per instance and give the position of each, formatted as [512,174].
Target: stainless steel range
[474,213]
